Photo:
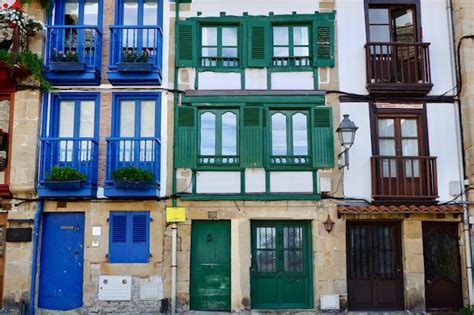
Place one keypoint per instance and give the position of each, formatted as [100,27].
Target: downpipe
[34,258]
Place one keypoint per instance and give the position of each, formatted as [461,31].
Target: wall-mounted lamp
[328,224]
[346,132]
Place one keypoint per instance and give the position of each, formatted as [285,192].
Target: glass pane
[265,245]
[280,35]
[281,52]
[403,24]
[412,168]
[208,134]
[386,128]
[127,118]
[379,33]
[86,126]
[91,12]
[409,128]
[229,52]
[387,147]
[300,35]
[229,36]
[209,52]
[410,147]
[301,51]
[150,12]
[300,134]
[66,119]
[229,134]
[71,12]
[130,12]
[147,119]
[359,251]
[378,16]
[279,134]
[209,36]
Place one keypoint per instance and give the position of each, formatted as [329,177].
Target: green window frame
[218,137]
[219,46]
[291,45]
[294,127]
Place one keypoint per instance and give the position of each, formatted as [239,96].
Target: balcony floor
[73,78]
[85,192]
[134,78]
[112,192]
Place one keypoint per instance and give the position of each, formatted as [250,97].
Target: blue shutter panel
[118,237]
[139,245]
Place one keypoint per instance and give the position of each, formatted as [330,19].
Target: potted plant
[133,61]
[65,61]
[13,18]
[132,177]
[64,178]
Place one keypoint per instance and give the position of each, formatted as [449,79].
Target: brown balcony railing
[398,68]
[404,178]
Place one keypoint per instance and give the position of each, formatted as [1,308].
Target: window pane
[91,12]
[404,26]
[301,51]
[300,134]
[208,134]
[127,118]
[150,12]
[71,12]
[410,147]
[229,134]
[86,127]
[378,16]
[300,35]
[379,33]
[386,128]
[281,52]
[130,12]
[266,249]
[209,36]
[279,134]
[66,119]
[409,128]
[147,119]
[209,52]
[229,52]
[387,147]
[280,35]
[229,36]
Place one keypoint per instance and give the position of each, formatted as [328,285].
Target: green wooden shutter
[187,52]
[185,149]
[323,138]
[259,43]
[251,137]
[323,40]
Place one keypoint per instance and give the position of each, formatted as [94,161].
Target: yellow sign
[174,215]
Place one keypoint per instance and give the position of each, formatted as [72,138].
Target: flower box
[127,184]
[63,184]
[66,66]
[134,67]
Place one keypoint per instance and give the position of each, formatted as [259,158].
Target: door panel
[210,266]
[442,266]
[3,225]
[281,260]
[61,262]
[374,266]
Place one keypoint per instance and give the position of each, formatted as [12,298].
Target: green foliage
[65,173]
[6,57]
[33,63]
[468,310]
[133,174]
[135,56]
[69,56]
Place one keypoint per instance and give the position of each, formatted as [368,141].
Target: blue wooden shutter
[323,138]
[323,40]
[140,237]
[259,43]
[251,137]
[187,52]
[118,237]
[185,147]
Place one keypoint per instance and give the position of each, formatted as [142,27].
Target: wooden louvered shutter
[259,43]
[139,245]
[251,138]
[118,237]
[323,138]
[323,40]
[185,149]
[187,51]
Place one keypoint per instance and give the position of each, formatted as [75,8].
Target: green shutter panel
[323,40]
[186,52]
[251,137]
[323,138]
[185,149]
[259,43]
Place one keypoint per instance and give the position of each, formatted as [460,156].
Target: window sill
[250,197]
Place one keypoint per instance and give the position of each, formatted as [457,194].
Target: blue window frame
[129,237]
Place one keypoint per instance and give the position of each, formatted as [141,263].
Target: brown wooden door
[442,266]
[3,224]
[374,266]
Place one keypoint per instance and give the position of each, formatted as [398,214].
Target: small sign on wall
[175,215]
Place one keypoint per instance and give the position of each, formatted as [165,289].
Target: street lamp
[346,132]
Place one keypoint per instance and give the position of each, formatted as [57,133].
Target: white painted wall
[357,179]
[291,182]
[217,182]
[442,143]
[219,81]
[255,79]
[292,80]
[254,180]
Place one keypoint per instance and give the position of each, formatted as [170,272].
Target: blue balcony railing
[141,152]
[136,54]
[73,53]
[78,153]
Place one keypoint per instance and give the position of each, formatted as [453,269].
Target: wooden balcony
[398,179]
[398,68]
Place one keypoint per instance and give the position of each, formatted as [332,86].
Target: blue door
[61,264]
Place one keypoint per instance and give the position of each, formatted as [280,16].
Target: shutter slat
[139,230]
[323,39]
[259,43]
[140,245]
[186,54]
[251,140]
[119,230]
[323,138]
[185,152]
[118,240]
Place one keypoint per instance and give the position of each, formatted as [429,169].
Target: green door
[281,273]
[210,266]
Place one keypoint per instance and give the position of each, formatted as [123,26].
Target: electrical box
[175,215]
[115,288]
[330,302]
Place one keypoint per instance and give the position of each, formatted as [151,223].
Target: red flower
[5,5]
[16,5]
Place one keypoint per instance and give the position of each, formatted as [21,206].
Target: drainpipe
[460,147]
[34,258]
